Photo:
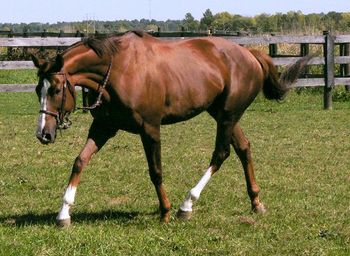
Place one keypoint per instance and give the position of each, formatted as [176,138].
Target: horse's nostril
[47,137]
[44,138]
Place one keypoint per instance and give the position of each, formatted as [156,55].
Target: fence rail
[328,79]
[38,41]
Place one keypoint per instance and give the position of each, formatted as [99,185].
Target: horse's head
[56,96]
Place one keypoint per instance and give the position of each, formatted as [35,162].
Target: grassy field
[302,162]
[22,76]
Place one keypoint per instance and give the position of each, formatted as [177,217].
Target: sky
[52,11]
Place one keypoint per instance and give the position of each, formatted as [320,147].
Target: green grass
[301,156]
[22,76]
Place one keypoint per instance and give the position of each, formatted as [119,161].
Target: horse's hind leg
[242,148]
[221,152]
[98,136]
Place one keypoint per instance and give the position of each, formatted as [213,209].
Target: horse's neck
[85,68]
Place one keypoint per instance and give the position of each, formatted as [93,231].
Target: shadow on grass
[79,217]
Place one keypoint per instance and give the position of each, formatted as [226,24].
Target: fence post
[10,49]
[43,35]
[328,51]
[59,48]
[345,68]
[77,33]
[273,49]
[182,31]
[25,49]
[304,51]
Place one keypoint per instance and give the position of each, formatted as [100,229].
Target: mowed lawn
[302,161]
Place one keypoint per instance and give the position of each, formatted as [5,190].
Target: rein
[100,89]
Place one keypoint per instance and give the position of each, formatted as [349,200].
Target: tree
[190,23]
[290,22]
[312,23]
[207,20]
[223,21]
[345,22]
[240,23]
[264,23]
[332,20]
[152,28]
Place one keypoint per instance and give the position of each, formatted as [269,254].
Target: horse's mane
[103,44]
[107,44]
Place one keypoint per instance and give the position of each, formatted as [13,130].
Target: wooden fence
[328,59]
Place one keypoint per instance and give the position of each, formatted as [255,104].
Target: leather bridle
[61,115]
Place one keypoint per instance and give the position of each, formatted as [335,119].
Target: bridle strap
[100,89]
[50,113]
[72,92]
[61,116]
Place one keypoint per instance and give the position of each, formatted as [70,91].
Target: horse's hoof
[184,215]
[65,223]
[260,208]
[165,218]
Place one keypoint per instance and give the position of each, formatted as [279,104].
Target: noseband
[61,116]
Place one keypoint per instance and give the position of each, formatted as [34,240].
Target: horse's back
[175,80]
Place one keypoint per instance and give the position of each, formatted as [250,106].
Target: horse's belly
[174,118]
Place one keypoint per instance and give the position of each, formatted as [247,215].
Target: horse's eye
[53,91]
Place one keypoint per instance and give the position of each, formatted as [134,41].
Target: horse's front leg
[151,142]
[96,139]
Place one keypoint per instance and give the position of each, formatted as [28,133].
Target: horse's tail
[275,86]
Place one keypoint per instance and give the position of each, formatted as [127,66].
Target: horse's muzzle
[46,137]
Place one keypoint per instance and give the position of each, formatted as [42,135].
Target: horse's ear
[58,64]
[39,63]
[35,60]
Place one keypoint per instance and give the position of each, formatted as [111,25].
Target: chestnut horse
[137,83]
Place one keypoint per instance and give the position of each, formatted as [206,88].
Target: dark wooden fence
[328,79]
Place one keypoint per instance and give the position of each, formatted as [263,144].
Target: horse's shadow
[30,219]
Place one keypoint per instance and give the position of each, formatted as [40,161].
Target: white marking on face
[195,192]
[43,105]
[68,200]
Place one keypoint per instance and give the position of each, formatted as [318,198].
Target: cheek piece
[62,116]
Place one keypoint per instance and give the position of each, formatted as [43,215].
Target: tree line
[291,22]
